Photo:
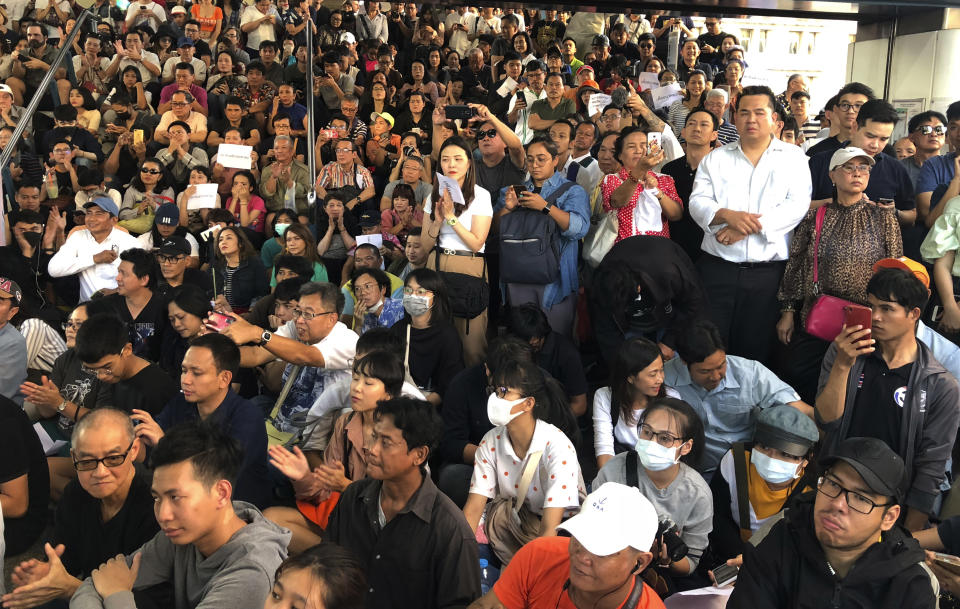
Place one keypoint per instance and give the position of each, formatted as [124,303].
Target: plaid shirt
[334,176]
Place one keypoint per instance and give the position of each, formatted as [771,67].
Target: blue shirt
[729,410]
[243,421]
[391,313]
[888,180]
[576,203]
[935,176]
[296,112]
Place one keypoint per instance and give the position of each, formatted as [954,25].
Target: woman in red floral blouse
[645,200]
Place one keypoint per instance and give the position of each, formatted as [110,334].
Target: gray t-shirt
[687,501]
[330,97]
[421,192]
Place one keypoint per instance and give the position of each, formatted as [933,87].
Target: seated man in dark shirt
[137,303]
[209,367]
[104,349]
[24,479]
[106,511]
[236,116]
[415,544]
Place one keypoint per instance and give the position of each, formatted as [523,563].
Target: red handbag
[825,320]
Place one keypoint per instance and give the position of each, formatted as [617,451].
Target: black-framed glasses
[169,259]
[847,106]
[491,133]
[857,501]
[850,169]
[307,316]
[663,438]
[70,323]
[928,129]
[88,465]
[646,46]
[151,171]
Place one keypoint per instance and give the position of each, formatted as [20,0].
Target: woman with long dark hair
[530,414]
[693,98]
[460,230]
[419,80]
[238,275]
[243,202]
[148,190]
[186,313]
[298,241]
[131,81]
[435,354]
[335,579]
[88,116]
[338,230]
[636,379]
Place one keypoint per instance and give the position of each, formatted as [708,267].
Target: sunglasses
[491,133]
[150,171]
[646,46]
[928,129]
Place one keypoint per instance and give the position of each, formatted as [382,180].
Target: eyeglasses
[150,171]
[307,316]
[851,169]
[646,46]
[857,502]
[88,465]
[928,129]
[344,150]
[482,135]
[663,438]
[179,104]
[847,107]
[61,150]
[170,259]
[366,286]
[417,292]
[106,371]
[501,391]
[72,324]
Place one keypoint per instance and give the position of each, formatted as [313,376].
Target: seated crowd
[234,383]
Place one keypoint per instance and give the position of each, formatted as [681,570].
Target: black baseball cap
[369,220]
[175,245]
[881,469]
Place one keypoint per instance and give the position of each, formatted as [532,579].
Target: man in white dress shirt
[748,196]
[94,252]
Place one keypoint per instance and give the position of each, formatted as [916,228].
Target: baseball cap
[384,115]
[590,84]
[106,204]
[843,155]
[348,38]
[612,518]
[175,245]
[10,289]
[6,89]
[881,469]
[600,40]
[368,220]
[585,67]
[907,264]
[787,429]
[168,214]
[178,9]
[185,41]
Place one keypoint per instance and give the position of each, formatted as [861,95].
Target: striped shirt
[727,133]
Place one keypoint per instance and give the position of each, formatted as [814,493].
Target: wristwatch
[452,221]
[265,337]
[62,405]
[546,209]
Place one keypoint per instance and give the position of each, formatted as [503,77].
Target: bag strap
[821,213]
[529,469]
[291,379]
[633,601]
[556,194]
[406,354]
[632,478]
[740,477]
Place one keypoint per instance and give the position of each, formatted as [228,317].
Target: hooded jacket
[789,570]
[928,426]
[239,574]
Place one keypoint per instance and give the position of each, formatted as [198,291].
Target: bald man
[107,510]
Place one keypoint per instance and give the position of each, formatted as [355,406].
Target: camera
[668,533]
[409,150]
[459,111]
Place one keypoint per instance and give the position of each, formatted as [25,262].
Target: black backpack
[530,244]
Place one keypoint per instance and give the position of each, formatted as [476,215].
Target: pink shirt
[256,203]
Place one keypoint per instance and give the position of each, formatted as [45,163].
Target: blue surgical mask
[655,457]
[773,470]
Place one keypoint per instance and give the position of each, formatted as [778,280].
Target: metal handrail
[43,88]
[311,130]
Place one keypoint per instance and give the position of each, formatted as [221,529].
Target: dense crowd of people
[228,382]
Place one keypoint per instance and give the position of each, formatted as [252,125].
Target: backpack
[530,244]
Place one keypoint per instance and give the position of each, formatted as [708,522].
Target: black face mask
[33,239]
[123,116]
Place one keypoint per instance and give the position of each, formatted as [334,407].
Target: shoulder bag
[600,238]
[825,319]
[509,522]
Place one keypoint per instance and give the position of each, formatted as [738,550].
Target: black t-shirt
[561,359]
[878,405]
[22,454]
[630,50]
[150,390]
[146,330]
[29,273]
[502,174]
[194,277]
[89,541]
[436,354]
[247,124]
[77,386]
[685,231]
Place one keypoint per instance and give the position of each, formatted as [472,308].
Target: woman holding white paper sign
[195,219]
[457,219]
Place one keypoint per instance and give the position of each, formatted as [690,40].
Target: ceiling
[863,10]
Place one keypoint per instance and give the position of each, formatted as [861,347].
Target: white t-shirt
[265,31]
[556,483]
[145,74]
[146,242]
[480,206]
[625,432]
[142,15]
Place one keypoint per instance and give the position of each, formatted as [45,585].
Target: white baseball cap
[348,37]
[6,89]
[843,155]
[612,518]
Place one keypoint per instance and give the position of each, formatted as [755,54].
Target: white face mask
[498,410]
[281,228]
[773,470]
[655,457]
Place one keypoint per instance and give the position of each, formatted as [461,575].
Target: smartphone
[947,559]
[461,111]
[518,188]
[654,139]
[219,321]
[725,574]
[137,136]
[855,315]
[330,134]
